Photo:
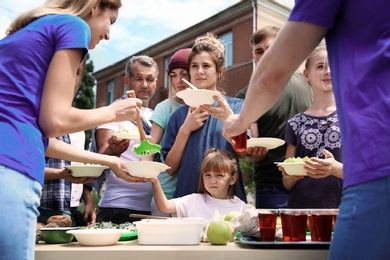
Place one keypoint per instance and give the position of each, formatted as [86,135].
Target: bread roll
[62,221]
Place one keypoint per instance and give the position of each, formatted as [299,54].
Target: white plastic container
[170,232]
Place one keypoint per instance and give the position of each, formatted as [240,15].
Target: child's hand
[320,168]
[290,177]
[289,181]
[153,180]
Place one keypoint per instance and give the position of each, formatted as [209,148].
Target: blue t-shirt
[359,55]
[25,56]
[199,141]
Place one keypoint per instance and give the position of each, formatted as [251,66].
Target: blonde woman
[39,58]
[177,71]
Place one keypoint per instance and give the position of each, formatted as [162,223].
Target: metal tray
[253,243]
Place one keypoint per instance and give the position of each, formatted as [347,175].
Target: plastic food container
[170,232]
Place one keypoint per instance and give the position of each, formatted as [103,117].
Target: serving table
[132,250]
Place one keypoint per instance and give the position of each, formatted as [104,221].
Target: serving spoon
[145,146]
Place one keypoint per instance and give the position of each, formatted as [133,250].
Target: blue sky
[141,23]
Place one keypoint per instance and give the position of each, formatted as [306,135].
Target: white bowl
[293,168]
[97,237]
[86,170]
[145,169]
[267,142]
[166,232]
[197,97]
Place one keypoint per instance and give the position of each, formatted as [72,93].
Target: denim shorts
[362,228]
[19,201]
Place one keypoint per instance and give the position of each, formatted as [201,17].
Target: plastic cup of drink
[294,223]
[240,141]
[321,223]
[267,224]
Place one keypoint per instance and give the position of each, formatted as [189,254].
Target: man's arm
[89,210]
[291,47]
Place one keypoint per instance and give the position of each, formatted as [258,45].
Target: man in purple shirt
[357,34]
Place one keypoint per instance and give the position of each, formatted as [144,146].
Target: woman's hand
[221,111]
[126,109]
[195,119]
[117,165]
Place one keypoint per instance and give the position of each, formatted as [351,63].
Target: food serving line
[180,238]
[131,249]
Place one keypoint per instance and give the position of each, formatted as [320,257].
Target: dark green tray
[250,242]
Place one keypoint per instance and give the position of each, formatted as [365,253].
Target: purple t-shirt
[25,56]
[359,56]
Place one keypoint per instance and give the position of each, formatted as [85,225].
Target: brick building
[234,25]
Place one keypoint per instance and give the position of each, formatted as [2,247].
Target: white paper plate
[86,170]
[145,169]
[197,97]
[293,168]
[267,142]
[131,136]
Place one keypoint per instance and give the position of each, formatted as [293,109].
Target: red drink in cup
[267,224]
[321,227]
[294,225]
[321,222]
[240,141]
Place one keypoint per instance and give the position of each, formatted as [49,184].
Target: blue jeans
[363,225]
[19,201]
[271,198]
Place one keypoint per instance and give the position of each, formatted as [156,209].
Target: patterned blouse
[311,134]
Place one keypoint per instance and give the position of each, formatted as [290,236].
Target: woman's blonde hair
[221,161]
[213,45]
[320,48]
[80,8]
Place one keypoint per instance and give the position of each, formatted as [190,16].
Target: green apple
[219,232]
[232,214]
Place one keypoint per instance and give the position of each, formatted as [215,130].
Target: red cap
[179,59]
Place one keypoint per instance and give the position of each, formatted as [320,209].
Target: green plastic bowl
[56,235]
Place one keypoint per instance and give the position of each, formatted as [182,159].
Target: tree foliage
[247,169]
[85,98]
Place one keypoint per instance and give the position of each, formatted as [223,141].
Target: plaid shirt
[56,194]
